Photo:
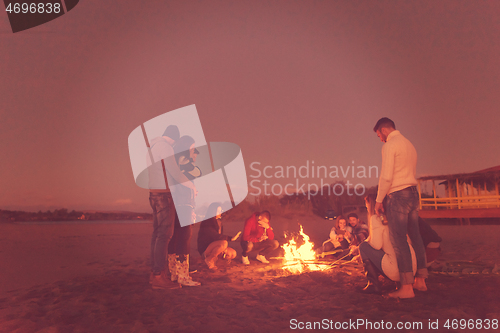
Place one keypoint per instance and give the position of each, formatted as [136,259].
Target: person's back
[404,165]
[210,231]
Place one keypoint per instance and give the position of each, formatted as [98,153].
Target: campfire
[298,259]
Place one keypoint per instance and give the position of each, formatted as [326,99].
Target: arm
[270,233]
[364,232]
[386,174]
[333,235]
[225,237]
[209,232]
[247,230]
[333,238]
[173,170]
[376,230]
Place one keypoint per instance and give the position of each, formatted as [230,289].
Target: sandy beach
[94,278]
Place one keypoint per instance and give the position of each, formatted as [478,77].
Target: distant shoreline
[81,222]
[63,215]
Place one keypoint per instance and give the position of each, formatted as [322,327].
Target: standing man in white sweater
[397,182]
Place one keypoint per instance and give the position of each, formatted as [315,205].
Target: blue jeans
[402,216]
[367,252]
[265,247]
[163,228]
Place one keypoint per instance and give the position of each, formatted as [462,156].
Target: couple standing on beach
[176,156]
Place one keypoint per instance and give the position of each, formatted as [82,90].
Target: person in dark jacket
[212,243]
[431,241]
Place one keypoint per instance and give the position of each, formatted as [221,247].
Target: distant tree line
[64,215]
[317,202]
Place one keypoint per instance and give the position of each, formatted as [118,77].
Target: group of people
[396,243]
[390,245]
[257,236]
[171,170]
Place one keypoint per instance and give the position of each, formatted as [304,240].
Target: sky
[290,82]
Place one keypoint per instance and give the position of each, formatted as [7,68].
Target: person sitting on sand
[377,252]
[431,239]
[359,229]
[258,235]
[212,243]
[340,237]
[359,232]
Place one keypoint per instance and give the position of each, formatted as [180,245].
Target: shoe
[172,266]
[371,273]
[183,277]
[161,281]
[262,259]
[245,260]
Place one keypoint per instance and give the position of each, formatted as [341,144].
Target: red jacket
[253,231]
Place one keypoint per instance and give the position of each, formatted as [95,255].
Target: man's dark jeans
[402,217]
[163,228]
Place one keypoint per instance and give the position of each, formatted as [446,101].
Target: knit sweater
[399,165]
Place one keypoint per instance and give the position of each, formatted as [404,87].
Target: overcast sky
[288,81]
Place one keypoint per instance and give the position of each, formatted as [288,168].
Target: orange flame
[300,259]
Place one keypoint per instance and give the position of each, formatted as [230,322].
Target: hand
[379,208]
[236,237]
[263,238]
[264,225]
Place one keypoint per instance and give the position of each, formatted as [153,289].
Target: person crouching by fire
[258,236]
[212,243]
[377,252]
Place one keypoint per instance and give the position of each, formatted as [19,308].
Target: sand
[94,278]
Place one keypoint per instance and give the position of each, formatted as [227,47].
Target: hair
[352,215]
[172,132]
[212,209]
[371,200]
[384,123]
[340,217]
[266,214]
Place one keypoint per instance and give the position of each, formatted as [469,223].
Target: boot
[183,273]
[172,266]
[371,273]
[161,281]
